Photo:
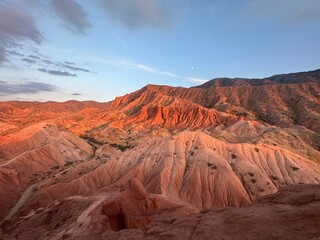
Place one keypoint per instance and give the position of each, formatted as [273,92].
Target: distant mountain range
[301,77]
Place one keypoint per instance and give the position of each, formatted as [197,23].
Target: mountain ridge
[290,78]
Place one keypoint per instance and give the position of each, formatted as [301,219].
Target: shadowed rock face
[138,166]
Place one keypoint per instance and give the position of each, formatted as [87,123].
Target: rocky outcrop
[291,213]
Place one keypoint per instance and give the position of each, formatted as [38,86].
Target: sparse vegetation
[92,140]
[275,178]
[55,167]
[122,148]
[256,149]
[69,163]
[103,160]
[188,166]
[243,114]
[34,189]
[251,174]
[233,156]
[212,166]
[56,180]
[253,180]
[295,168]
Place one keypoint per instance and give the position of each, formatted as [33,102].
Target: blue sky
[96,50]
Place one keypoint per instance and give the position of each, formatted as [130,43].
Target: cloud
[145,68]
[72,14]
[133,65]
[34,57]
[136,14]
[196,80]
[7,88]
[309,11]
[293,11]
[76,94]
[14,53]
[68,65]
[75,68]
[57,72]
[15,25]
[126,64]
[28,60]
[47,61]
[3,56]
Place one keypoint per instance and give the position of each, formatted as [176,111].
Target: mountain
[302,77]
[162,153]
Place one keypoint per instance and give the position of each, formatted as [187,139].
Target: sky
[58,50]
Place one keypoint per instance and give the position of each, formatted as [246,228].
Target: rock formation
[166,163]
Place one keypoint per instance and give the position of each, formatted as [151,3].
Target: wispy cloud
[68,66]
[72,14]
[288,10]
[146,68]
[14,53]
[3,54]
[34,57]
[309,11]
[137,14]
[29,61]
[76,94]
[57,72]
[195,80]
[15,24]
[126,64]
[7,88]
